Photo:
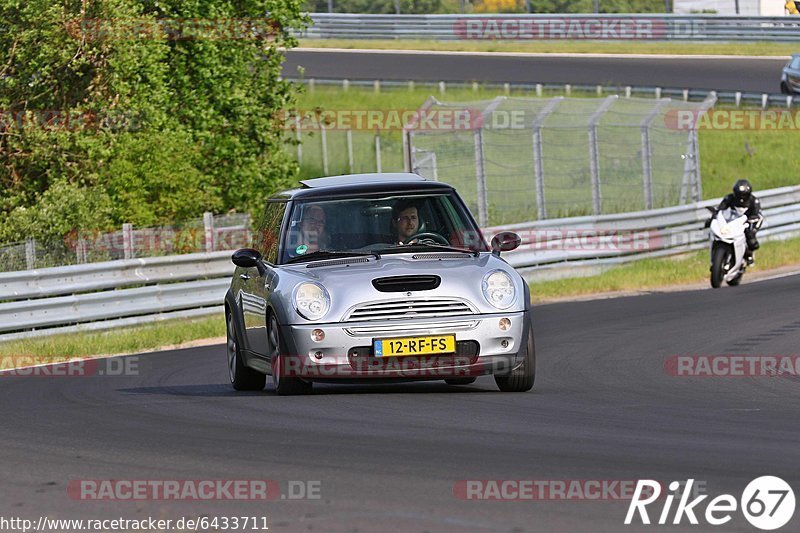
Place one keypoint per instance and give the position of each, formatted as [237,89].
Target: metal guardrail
[565,247]
[526,27]
[57,300]
[738,98]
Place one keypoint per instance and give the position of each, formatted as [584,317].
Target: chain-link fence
[520,159]
[207,234]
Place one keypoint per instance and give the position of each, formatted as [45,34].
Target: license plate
[437,344]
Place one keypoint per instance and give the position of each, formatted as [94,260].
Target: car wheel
[242,377]
[460,381]
[785,88]
[284,385]
[521,379]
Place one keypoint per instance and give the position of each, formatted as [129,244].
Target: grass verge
[563,47]
[119,341]
[664,272]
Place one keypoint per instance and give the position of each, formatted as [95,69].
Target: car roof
[337,186]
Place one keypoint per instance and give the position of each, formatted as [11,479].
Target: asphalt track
[746,74]
[388,456]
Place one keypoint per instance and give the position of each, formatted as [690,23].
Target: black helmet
[742,190]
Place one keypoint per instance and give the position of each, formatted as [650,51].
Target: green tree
[149,126]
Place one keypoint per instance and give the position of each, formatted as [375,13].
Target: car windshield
[795,63]
[387,224]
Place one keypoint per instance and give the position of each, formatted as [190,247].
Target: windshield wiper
[421,246]
[328,254]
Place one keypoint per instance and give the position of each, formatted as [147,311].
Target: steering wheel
[429,236]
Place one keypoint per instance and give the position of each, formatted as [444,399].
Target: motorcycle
[728,245]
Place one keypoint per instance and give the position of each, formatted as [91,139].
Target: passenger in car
[312,228]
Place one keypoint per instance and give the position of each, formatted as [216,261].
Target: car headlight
[498,289]
[311,300]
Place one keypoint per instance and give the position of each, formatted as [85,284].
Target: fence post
[127,241]
[480,161]
[480,177]
[692,186]
[208,224]
[30,253]
[350,149]
[647,155]
[378,165]
[324,139]
[594,155]
[299,140]
[538,161]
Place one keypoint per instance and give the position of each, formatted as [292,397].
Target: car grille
[410,309]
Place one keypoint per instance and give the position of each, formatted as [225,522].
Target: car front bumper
[346,350]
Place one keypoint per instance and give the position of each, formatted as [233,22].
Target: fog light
[318,355]
[505,324]
[317,335]
[504,343]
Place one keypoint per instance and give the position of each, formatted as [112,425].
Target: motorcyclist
[743,200]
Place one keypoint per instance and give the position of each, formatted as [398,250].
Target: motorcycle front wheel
[720,264]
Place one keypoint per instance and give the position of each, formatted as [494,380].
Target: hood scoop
[406,283]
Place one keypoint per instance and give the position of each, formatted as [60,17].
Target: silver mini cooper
[382,277]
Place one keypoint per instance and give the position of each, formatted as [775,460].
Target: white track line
[533,54]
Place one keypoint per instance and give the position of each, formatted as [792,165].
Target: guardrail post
[208,224]
[127,241]
[30,253]
[764,100]
[538,160]
[442,87]
[594,155]
[376,85]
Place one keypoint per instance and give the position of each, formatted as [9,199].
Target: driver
[405,221]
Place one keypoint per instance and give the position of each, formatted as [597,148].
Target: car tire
[785,88]
[242,378]
[460,381]
[523,377]
[284,385]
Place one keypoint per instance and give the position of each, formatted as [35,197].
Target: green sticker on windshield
[301,249]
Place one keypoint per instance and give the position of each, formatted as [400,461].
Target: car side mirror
[505,241]
[248,258]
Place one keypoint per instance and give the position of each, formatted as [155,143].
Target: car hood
[349,283]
